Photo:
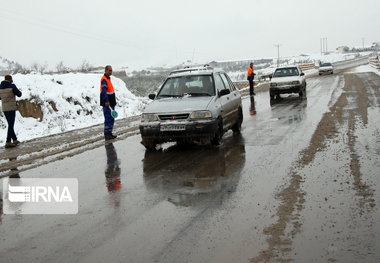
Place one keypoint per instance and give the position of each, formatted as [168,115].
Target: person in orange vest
[250,76]
[108,101]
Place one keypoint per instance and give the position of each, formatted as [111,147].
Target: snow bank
[364,69]
[68,101]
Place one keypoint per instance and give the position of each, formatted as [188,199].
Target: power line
[11,15]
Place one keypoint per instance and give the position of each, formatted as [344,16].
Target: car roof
[205,70]
[289,66]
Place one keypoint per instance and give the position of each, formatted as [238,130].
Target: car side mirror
[152,96]
[302,74]
[224,92]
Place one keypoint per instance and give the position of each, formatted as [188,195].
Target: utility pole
[278,54]
[323,45]
[192,59]
[363,42]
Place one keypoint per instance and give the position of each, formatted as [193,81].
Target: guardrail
[241,84]
[337,63]
[308,66]
[374,62]
[264,77]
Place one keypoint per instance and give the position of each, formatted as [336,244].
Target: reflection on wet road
[112,171]
[194,173]
[239,202]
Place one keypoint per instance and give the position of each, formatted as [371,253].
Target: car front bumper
[285,89]
[325,71]
[159,132]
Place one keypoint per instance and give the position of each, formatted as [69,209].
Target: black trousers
[11,117]
[250,87]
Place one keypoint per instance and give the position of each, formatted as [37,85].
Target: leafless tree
[85,67]
[39,67]
[61,68]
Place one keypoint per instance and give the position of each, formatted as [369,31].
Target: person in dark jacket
[108,101]
[250,76]
[8,93]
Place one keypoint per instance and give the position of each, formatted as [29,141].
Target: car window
[225,81]
[326,65]
[194,85]
[231,84]
[286,72]
[219,82]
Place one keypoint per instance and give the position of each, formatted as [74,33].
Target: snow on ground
[365,68]
[68,101]
[329,57]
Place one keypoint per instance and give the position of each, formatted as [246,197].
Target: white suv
[289,79]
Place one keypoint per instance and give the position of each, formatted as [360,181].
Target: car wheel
[149,145]
[217,140]
[184,144]
[302,93]
[237,126]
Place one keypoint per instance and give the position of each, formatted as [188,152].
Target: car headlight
[273,84]
[202,114]
[148,117]
[295,82]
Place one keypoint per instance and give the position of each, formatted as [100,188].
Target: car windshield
[326,65]
[194,85]
[286,72]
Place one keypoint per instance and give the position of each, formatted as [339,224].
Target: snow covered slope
[68,101]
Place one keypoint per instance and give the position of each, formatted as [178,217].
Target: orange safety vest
[110,89]
[249,71]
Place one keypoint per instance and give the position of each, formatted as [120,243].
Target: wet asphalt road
[285,190]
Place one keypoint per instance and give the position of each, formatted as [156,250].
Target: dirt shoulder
[349,112]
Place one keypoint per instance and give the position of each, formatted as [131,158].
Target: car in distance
[289,79]
[326,68]
[192,105]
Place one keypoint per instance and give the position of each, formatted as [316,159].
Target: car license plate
[172,127]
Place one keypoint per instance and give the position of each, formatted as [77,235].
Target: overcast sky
[146,33]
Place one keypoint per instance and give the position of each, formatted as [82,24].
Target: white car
[326,68]
[289,79]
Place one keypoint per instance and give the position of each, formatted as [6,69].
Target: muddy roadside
[311,176]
